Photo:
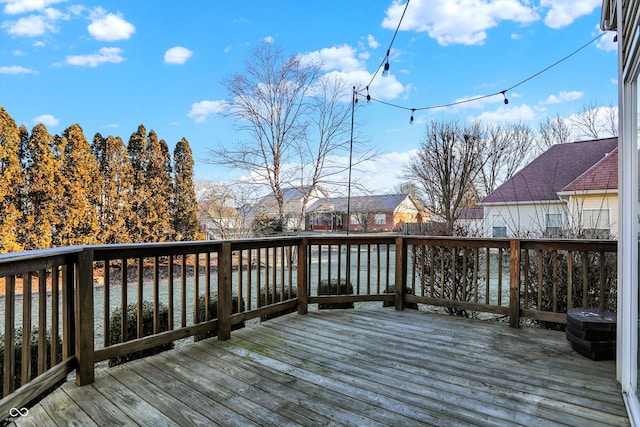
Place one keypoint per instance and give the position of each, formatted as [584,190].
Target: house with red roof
[565,187]
[382,212]
[592,198]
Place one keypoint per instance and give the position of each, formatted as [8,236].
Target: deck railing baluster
[42,321]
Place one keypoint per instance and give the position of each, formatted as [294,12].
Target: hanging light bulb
[368,96]
[504,93]
[413,110]
[385,71]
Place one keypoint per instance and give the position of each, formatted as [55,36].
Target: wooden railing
[107,303]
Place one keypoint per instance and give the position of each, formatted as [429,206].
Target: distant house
[539,199]
[293,201]
[385,212]
[592,198]
[471,220]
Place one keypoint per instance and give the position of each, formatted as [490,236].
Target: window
[596,219]
[553,223]
[380,219]
[499,226]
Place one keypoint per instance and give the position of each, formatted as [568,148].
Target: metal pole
[353,109]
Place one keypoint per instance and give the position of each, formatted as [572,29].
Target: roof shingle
[550,172]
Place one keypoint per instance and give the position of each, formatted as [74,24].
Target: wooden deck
[352,367]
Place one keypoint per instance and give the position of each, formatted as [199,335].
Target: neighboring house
[293,201]
[386,212]
[528,204]
[222,222]
[471,220]
[592,198]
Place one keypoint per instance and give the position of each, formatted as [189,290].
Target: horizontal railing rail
[77,307]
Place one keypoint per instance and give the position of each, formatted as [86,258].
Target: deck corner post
[514,284]
[401,273]
[84,319]
[303,297]
[224,292]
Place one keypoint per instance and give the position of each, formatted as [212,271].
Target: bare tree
[587,121]
[553,130]
[611,120]
[224,209]
[506,149]
[446,167]
[294,121]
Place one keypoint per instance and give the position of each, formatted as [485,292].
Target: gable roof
[601,176]
[376,203]
[476,212]
[290,193]
[550,172]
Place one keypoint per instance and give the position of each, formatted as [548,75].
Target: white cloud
[108,26]
[203,109]
[563,97]
[177,55]
[16,69]
[30,26]
[46,119]
[606,42]
[341,58]
[457,21]
[342,62]
[373,43]
[384,172]
[268,39]
[14,7]
[563,12]
[506,114]
[105,55]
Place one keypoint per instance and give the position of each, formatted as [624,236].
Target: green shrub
[17,346]
[132,326]
[236,307]
[267,298]
[332,287]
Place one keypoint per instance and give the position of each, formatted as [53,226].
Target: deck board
[372,367]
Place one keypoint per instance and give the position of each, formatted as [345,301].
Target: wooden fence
[69,309]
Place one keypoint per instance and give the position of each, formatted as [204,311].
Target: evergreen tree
[185,220]
[168,187]
[44,201]
[114,206]
[11,216]
[159,187]
[136,150]
[81,186]
[151,217]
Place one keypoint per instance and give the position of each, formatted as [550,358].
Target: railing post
[303,279]
[84,318]
[224,292]
[514,284]
[401,273]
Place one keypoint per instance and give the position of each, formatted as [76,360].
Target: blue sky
[111,66]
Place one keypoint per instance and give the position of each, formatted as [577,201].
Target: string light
[385,61]
[385,72]
[502,92]
[413,110]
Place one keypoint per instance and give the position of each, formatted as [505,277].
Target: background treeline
[61,190]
